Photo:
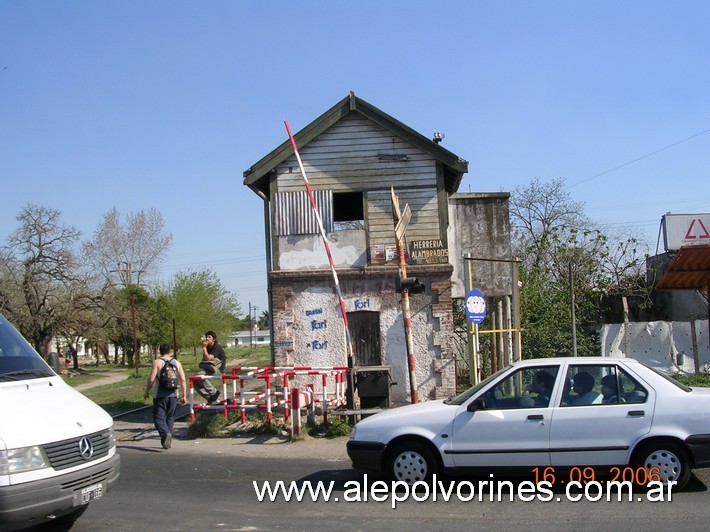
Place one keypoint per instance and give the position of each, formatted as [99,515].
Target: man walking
[165,396]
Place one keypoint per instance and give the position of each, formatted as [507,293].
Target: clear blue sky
[136,104]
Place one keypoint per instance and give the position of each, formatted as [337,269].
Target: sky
[140,104]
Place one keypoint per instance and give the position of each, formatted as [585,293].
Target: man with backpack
[167,375]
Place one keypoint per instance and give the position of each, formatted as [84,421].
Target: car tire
[670,461]
[411,462]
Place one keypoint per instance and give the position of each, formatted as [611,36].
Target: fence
[277,384]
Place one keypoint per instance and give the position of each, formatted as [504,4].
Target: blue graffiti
[361,305]
[316,345]
[315,324]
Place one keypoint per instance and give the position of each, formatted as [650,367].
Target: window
[348,211]
[293,213]
[526,388]
[601,385]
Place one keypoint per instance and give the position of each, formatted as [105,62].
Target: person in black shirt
[214,362]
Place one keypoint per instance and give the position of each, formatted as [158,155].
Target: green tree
[564,252]
[263,322]
[198,302]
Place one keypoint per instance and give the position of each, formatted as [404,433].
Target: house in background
[255,338]
[354,154]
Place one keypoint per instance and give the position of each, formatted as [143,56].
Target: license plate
[91,493]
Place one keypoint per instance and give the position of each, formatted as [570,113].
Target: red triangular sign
[703,231]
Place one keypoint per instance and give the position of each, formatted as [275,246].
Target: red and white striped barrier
[242,399]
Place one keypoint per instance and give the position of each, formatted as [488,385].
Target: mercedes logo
[86,450]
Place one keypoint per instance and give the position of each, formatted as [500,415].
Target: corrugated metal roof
[689,270]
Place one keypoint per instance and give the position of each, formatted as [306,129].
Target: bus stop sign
[475,306]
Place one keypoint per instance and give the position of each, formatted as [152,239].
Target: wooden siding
[346,157]
[424,224]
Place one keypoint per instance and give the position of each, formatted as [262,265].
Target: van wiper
[23,374]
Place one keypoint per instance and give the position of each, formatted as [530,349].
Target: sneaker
[168,441]
[214,397]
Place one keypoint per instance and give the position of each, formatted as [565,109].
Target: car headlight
[22,459]
[111,437]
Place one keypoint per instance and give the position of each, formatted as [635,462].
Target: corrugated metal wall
[293,213]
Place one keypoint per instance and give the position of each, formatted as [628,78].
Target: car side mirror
[476,404]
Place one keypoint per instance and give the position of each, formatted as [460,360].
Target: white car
[547,415]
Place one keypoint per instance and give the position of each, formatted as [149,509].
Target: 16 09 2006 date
[638,476]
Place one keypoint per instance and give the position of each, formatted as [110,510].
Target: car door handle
[535,417]
[637,413]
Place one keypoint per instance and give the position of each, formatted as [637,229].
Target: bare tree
[39,274]
[125,256]
[131,252]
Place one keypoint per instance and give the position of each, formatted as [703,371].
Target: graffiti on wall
[319,325]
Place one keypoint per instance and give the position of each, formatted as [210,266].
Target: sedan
[549,415]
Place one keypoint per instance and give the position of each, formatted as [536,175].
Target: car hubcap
[666,464]
[410,467]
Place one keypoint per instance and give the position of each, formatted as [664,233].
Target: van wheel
[411,462]
[667,460]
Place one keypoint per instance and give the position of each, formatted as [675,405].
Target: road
[208,485]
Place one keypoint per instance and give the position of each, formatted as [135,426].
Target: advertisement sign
[685,230]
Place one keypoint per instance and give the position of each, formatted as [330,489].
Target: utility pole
[124,271]
[572,311]
[252,320]
[401,219]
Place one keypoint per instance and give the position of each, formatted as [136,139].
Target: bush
[337,428]
[701,380]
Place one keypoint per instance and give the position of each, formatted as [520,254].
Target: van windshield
[18,361]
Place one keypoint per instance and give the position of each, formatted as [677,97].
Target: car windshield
[18,360]
[462,397]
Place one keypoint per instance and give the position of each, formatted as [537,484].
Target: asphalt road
[208,485]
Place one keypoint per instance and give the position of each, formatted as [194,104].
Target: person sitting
[542,385]
[609,390]
[638,395]
[583,384]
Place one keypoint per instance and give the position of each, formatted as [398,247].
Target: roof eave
[456,167]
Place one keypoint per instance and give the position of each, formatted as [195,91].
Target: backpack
[168,378]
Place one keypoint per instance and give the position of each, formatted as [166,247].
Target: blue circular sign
[475,306]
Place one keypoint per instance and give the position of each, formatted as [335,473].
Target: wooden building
[353,154]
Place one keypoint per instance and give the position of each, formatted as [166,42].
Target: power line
[639,158]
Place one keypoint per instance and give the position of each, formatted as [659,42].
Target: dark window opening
[348,210]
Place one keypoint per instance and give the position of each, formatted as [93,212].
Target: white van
[57,448]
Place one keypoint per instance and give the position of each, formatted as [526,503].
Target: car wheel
[668,460]
[411,462]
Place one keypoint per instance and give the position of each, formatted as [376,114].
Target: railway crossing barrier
[276,392]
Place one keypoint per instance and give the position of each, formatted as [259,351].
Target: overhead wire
[639,158]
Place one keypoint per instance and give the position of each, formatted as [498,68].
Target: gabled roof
[257,177]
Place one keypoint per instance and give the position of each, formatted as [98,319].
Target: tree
[263,322]
[126,256]
[39,274]
[130,253]
[565,252]
[198,302]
